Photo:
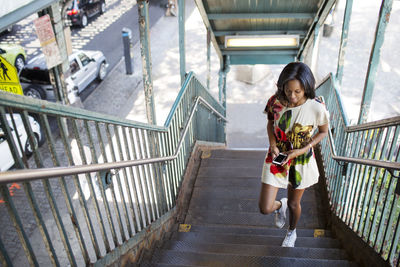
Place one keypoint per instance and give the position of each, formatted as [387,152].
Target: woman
[293,115]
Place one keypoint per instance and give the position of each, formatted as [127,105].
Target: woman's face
[295,93]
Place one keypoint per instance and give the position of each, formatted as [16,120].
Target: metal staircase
[223,226]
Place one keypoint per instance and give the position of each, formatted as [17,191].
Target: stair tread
[322,242]
[228,229]
[228,217]
[212,259]
[256,250]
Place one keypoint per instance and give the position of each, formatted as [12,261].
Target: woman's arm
[322,132]
[271,138]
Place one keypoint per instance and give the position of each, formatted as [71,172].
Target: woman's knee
[265,209]
[294,205]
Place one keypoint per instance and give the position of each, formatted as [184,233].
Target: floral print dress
[293,129]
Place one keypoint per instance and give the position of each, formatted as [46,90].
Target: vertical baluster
[170,164]
[12,211]
[90,184]
[154,182]
[49,192]
[138,215]
[370,175]
[100,181]
[4,258]
[358,169]
[64,189]
[354,180]
[379,181]
[147,178]
[365,178]
[386,210]
[393,249]
[383,191]
[146,196]
[135,155]
[128,191]
[165,171]
[129,233]
[64,134]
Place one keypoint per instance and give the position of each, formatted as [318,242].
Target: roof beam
[223,33]
[318,20]
[220,16]
[206,21]
[259,52]
[23,12]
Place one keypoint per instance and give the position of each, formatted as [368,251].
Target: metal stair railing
[98,180]
[361,175]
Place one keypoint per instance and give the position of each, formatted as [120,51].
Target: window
[74,66]
[84,59]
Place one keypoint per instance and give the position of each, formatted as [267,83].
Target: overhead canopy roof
[13,11]
[262,18]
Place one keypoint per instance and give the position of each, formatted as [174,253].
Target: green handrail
[360,175]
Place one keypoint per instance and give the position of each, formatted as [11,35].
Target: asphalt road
[113,46]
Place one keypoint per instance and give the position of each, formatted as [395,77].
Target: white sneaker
[280,215]
[290,238]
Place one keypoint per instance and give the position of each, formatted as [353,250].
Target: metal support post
[58,71]
[343,40]
[383,20]
[143,10]
[222,81]
[182,56]
[208,58]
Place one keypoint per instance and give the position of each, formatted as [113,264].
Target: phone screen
[279,159]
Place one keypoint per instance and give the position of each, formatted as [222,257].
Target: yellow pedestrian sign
[9,81]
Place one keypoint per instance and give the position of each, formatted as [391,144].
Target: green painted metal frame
[361,190]
[182,54]
[104,218]
[343,40]
[143,11]
[383,20]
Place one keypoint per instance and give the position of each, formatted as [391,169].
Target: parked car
[80,10]
[14,54]
[85,66]
[6,159]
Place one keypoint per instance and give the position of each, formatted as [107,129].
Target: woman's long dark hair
[296,71]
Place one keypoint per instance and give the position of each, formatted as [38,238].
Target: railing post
[182,56]
[383,20]
[343,41]
[222,81]
[143,11]
[208,58]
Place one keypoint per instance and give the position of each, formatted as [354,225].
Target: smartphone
[278,160]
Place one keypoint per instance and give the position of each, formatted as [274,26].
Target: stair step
[233,163]
[251,182]
[311,242]
[238,154]
[257,250]
[242,172]
[246,230]
[211,259]
[224,192]
[248,218]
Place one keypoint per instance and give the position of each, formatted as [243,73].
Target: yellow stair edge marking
[319,232]
[206,154]
[184,228]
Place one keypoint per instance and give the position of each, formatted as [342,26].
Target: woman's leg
[267,202]
[294,198]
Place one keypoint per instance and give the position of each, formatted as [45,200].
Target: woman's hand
[291,154]
[274,151]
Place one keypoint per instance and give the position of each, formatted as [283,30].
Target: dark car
[81,10]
